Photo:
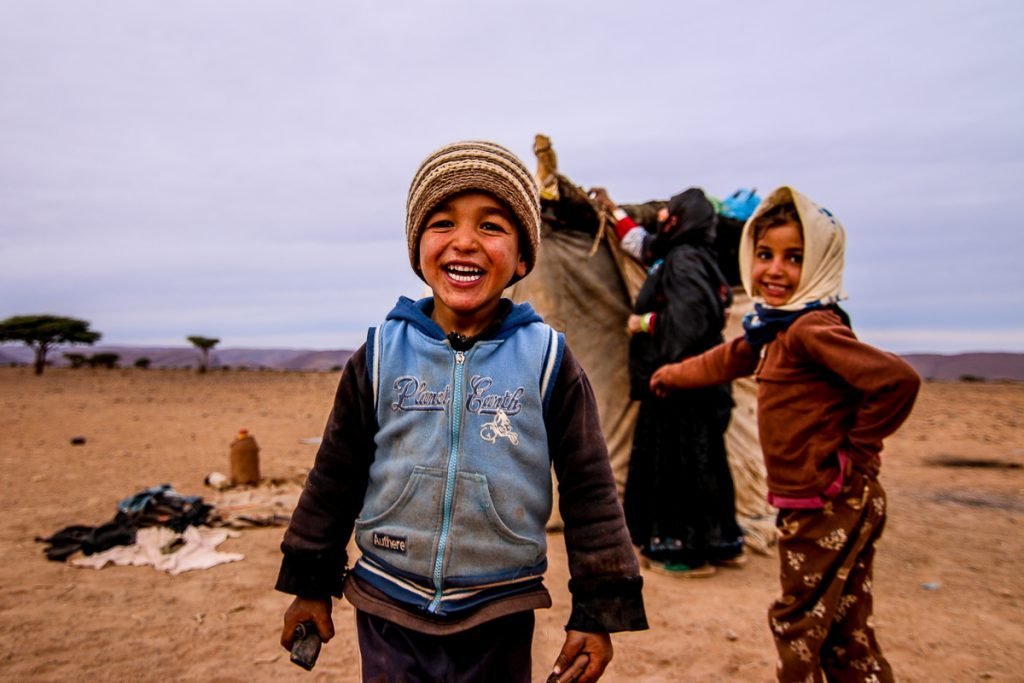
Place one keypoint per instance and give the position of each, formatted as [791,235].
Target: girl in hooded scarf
[679,499]
[825,402]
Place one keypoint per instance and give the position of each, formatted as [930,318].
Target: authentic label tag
[389,542]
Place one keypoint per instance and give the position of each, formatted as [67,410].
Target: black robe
[679,500]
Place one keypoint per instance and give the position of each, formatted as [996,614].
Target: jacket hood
[417,313]
[821,278]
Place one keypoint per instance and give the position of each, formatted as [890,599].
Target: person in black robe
[679,499]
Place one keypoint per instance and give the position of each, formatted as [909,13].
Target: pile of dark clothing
[156,506]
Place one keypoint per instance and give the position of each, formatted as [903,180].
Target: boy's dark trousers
[497,651]
[822,622]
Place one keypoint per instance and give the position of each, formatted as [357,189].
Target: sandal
[680,570]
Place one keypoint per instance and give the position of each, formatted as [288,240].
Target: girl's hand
[583,658]
[634,324]
[664,380]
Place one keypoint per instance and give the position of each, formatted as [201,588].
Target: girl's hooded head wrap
[821,278]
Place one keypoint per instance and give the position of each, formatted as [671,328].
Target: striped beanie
[474,165]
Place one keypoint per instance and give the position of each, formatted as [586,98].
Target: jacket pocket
[404,535]
[482,545]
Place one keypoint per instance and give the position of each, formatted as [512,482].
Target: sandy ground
[948,584]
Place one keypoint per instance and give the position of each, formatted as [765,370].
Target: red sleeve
[624,225]
[717,365]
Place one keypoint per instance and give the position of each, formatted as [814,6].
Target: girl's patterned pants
[822,623]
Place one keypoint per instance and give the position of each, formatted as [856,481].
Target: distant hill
[184,357]
[987,366]
[981,366]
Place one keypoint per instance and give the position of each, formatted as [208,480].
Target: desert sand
[949,589]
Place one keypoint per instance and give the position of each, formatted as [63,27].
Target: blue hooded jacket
[460,487]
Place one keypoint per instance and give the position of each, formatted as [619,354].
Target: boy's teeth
[464,273]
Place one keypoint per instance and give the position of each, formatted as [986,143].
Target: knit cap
[474,165]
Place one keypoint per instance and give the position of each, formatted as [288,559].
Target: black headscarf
[691,220]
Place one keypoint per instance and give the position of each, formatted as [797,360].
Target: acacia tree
[43,332]
[204,344]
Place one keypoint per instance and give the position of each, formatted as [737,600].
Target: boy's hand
[634,324]
[663,381]
[307,609]
[583,658]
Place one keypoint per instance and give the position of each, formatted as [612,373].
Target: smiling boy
[468,254]
[438,452]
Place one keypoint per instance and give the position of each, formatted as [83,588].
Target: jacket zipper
[449,486]
[761,356]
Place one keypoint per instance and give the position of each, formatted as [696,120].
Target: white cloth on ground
[197,550]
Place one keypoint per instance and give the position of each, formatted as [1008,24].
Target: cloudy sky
[238,168]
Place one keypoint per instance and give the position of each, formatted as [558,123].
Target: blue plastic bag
[740,204]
